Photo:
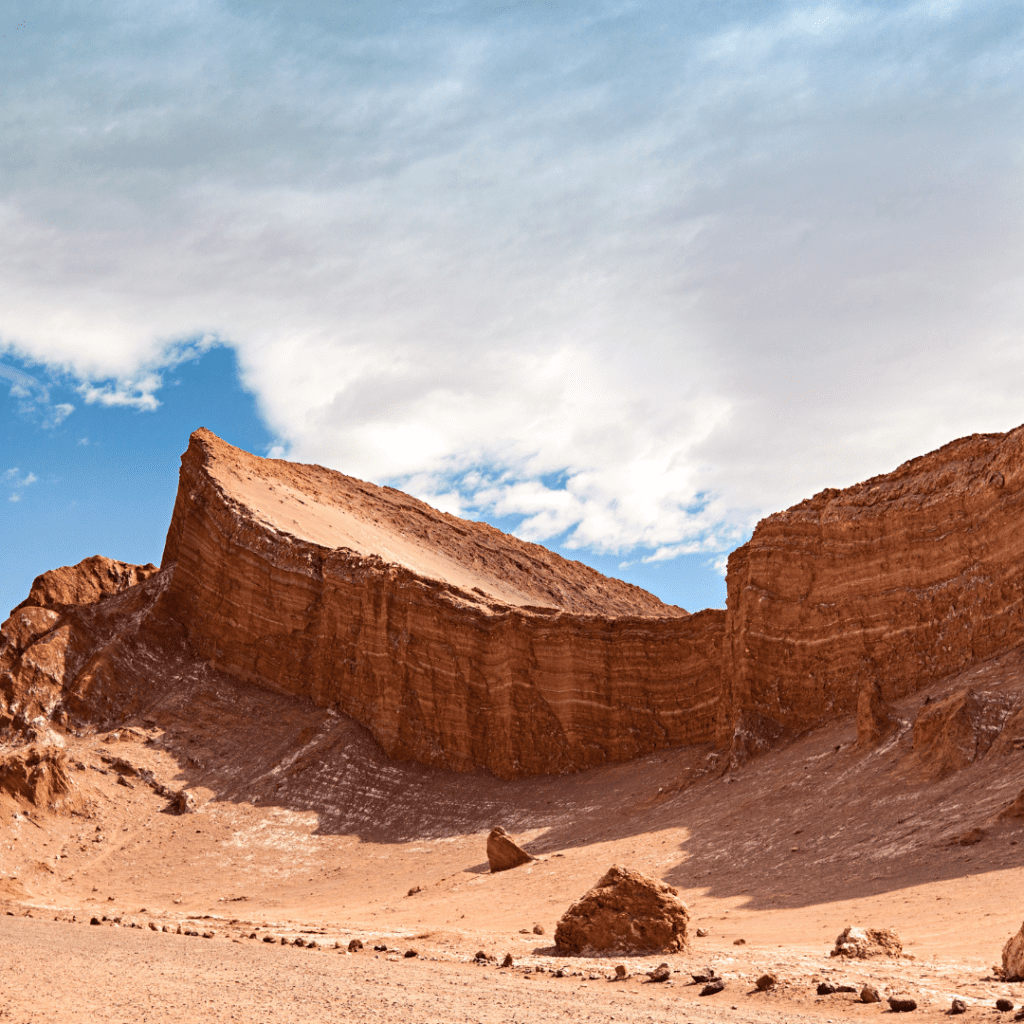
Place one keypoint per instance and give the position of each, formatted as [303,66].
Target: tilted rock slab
[628,912]
[504,854]
[1013,957]
[900,581]
[456,645]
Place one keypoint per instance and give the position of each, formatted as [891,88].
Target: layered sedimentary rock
[456,645]
[895,582]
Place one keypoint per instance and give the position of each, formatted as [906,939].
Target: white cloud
[634,277]
[17,482]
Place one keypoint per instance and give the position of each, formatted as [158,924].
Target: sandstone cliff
[893,583]
[456,645]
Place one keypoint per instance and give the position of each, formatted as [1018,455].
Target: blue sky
[622,276]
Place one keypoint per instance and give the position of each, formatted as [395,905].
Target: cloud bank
[629,274]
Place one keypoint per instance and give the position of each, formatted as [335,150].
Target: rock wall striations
[885,586]
[453,643]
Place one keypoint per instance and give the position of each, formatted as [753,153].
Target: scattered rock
[1013,957]
[415,889]
[482,957]
[627,911]
[826,988]
[958,1006]
[410,953]
[538,929]
[902,1004]
[660,973]
[702,933]
[508,961]
[355,945]
[95,920]
[380,948]
[713,987]
[621,972]
[739,942]
[299,941]
[122,781]
[153,926]
[765,982]
[184,802]
[863,943]
[1004,1005]
[870,994]
[704,974]
[209,935]
[270,938]
[503,853]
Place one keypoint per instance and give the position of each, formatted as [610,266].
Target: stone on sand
[626,911]
[503,853]
[1013,957]
[862,943]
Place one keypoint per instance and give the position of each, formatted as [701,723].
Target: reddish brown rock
[875,717]
[456,645]
[89,581]
[627,911]
[38,776]
[899,581]
[1013,957]
[951,733]
[502,853]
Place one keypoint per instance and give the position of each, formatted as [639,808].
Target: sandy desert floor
[307,831]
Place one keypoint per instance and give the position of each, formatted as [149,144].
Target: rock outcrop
[875,717]
[901,581]
[864,943]
[627,912]
[1013,957]
[89,581]
[456,645]
[952,733]
[502,853]
[38,777]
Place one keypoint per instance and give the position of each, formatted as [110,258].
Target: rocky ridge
[458,646]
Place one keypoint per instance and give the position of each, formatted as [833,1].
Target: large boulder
[503,853]
[89,581]
[1013,957]
[628,912]
[863,943]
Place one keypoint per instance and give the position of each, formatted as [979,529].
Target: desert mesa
[459,646]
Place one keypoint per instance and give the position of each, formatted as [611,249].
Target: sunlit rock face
[898,581]
[455,644]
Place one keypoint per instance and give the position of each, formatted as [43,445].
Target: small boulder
[870,994]
[862,943]
[660,973]
[503,853]
[538,929]
[957,1006]
[704,974]
[826,988]
[410,953]
[508,961]
[95,920]
[765,982]
[270,938]
[702,933]
[902,1004]
[355,945]
[739,942]
[1013,957]
[1004,1005]
[184,802]
[621,972]
[713,987]
[626,911]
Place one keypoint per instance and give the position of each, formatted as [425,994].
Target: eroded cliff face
[893,583]
[454,644]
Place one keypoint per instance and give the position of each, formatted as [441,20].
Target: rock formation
[503,853]
[38,777]
[456,645]
[1013,957]
[626,911]
[459,646]
[864,943]
[901,580]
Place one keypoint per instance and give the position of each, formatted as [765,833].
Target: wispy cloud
[693,261]
[16,482]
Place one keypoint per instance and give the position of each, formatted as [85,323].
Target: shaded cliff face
[896,582]
[456,645]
